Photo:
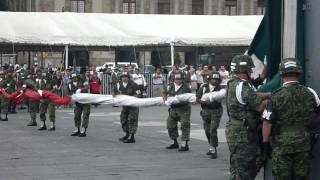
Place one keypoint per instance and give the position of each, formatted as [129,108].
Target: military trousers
[288,165]
[84,111]
[211,120]
[181,114]
[47,106]
[4,105]
[243,152]
[33,107]
[129,119]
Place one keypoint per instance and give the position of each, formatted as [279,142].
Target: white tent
[83,29]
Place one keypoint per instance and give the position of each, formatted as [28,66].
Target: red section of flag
[56,99]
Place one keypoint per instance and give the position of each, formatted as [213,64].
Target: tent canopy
[91,29]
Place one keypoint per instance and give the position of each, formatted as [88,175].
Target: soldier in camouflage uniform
[129,115]
[9,83]
[178,112]
[211,112]
[243,105]
[47,83]
[33,106]
[288,113]
[3,101]
[78,86]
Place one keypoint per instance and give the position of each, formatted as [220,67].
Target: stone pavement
[26,153]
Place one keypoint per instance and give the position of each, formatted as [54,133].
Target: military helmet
[214,75]
[179,75]
[241,63]
[74,75]
[289,65]
[123,74]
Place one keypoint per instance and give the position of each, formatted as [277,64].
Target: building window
[231,7]
[164,7]
[198,7]
[77,6]
[129,7]
[260,7]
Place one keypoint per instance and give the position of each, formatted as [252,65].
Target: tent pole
[172,54]
[29,59]
[67,57]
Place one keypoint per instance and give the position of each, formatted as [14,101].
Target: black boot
[52,128]
[124,137]
[44,127]
[214,154]
[83,133]
[130,140]
[32,123]
[76,133]
[184,148]
[175,145]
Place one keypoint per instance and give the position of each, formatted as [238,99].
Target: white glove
[40,92]
[78,91]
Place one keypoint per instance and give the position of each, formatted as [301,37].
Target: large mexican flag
[280,35]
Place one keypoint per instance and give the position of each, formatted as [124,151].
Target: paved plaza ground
[26,153]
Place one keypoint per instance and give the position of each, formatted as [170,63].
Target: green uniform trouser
[46,105]
[243,152]
[84,110]
[181,114]
[33,109]
[290,165]
[211,120]
[4,105]
[129,119]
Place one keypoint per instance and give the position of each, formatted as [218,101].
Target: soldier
[243,106]
[3,101]
[178,112]
[33,106]
[211,112]
[9,83]
[76,86]
[288,114]
[48,84]
[129,115]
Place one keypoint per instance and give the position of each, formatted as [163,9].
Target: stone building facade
[181,7]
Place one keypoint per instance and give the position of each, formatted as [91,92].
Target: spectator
[95,84]
[199,77]
[224,75]
[157,83]
[194,79]
[139,79]
[171,74]
[204,73]
[213,68]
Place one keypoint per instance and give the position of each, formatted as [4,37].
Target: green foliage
[167,58]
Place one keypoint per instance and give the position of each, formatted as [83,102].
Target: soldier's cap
[214,75]
[73,75]
[178,76]
[289,65]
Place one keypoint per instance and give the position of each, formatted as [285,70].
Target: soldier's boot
[43,126]
[210,151]
[83,132]
[174,145]
[184,147]
[32,123]
[4,119]
[76,132]
[124,137]
[52,127]
[130,140]
[214,154]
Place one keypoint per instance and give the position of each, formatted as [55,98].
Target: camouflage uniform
[47,84]
[9,83]
[289,112]
[211,114]
[129,115]
[3,101]
[76,86]
[178,112]
[241,129]
[33,106]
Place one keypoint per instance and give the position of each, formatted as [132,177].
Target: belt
[236,122]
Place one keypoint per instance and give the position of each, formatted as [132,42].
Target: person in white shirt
[224,75]
[157,83]
[139,79]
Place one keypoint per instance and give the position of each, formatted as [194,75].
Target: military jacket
[205,88]
[289,110]
[242,100]
[170,91]
[75,85]
[46,84]
[30,83]
[10,83]
[131,89]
